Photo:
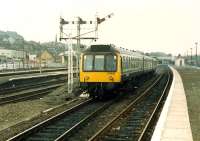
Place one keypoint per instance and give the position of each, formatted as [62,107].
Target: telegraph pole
[80,36]
[196,43]
[78,31]
[78,45]
[70,73]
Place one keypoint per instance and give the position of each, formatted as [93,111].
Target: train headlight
[111,78]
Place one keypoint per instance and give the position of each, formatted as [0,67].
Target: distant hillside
[12,40]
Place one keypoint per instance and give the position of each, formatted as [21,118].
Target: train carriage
[104,67]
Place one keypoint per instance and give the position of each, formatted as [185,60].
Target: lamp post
[191,56]
[23,62]
[187,53]
[40,54]
[187,56]
[196,43]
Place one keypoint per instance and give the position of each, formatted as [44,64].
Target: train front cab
[100,72]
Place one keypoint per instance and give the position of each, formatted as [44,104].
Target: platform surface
[173,124]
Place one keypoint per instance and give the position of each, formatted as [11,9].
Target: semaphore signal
[78,38]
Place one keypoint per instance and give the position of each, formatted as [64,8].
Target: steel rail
[155,109]
[30,72]
[82,122]
[129,107]
[33,71]
[35,128]
[69,131]
[28,86]
[26,95]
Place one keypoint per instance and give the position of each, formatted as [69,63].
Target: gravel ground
[191,82]
[18,116]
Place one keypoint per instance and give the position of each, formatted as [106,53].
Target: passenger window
[126,62]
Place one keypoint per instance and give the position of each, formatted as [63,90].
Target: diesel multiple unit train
[104,67]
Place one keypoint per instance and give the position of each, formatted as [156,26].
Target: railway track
[135,121]
[30,72]
[14,89]
[17,82]
[127,95]
[28,91]
[64,124]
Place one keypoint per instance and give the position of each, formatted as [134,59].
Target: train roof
[113,48]
[101,48]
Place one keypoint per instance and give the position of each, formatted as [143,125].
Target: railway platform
[173,124]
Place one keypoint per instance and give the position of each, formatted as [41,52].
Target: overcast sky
[170,26]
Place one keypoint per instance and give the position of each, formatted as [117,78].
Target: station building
[8,53]
[179,61]
[11,56]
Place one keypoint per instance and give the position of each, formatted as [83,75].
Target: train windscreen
[111,61]
[88,62]
[100,62]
